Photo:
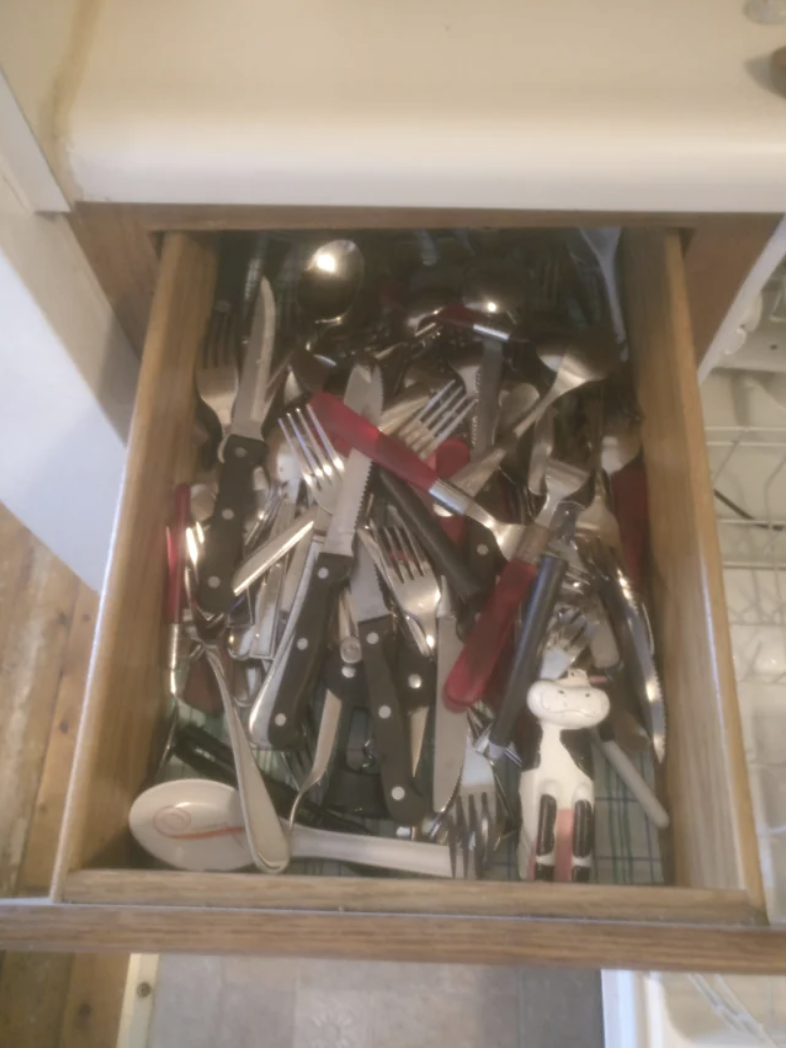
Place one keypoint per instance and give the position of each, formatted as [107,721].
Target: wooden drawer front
[715,877]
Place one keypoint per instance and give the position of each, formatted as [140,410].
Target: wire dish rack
[749,475]
[746,441]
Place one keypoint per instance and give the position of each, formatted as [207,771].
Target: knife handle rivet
[384,712]
[414,681]
[302,643]
[214,582]
[348,671]
[482,549]
[323,573]
[228,514]
[240,453]
[373,638]
[280,719]
[397,793]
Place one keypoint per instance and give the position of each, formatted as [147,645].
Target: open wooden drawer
[709,918]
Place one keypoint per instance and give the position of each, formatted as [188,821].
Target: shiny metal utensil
[542,448]
[331,714]
[633,640]
[515,403]
[603,242]
[407,571]
[268,842]
[267,697]
[488,383]
[330,282]
[473,816]
[270,552]
[266,611]
[576,369]
[333,566]
[321,467]
[570,634]
[217,371]
[468,682]
[439,418]
[541,601]
[450,728]
[391,739]
[395,456]
[244,450]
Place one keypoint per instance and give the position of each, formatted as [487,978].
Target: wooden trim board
[472,940]
[415,896]
[712,817]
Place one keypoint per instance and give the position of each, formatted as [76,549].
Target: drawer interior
[707,858]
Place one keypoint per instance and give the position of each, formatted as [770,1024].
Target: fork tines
[439,418]
[402,552]
[320,464]
[410,577]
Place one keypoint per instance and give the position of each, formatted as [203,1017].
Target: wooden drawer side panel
[124,704]
[714,838]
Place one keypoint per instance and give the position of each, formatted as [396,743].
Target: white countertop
[585,104]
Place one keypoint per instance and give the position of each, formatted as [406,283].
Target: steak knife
[244,450]
[374,623]
[331,570]
[450,728]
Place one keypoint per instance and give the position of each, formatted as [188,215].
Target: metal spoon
[330,282]
[267,840]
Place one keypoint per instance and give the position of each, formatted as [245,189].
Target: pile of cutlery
[405,565]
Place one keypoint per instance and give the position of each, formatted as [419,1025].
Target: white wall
[67,372]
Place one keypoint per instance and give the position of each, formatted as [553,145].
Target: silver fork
[217,372]
[572,629]
[320,464]
[406,569]
[439,418]
[472,817]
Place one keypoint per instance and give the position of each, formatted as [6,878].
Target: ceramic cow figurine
[556,788]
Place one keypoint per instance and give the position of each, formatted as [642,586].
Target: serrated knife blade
[450,729]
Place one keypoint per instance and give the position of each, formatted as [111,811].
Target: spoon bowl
[331,281]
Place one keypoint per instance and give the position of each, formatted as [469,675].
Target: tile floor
[276,1003]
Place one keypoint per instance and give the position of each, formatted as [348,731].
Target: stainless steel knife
[391,732]
[631,632]
[243,451]
[450,729]
[331,570]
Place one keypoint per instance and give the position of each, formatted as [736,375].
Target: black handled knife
[374,623]
[244,450]
[330,571]
[534,627]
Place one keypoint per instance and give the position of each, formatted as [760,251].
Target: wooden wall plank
[47,1000]
[91,1016]
[32,661]
[33,995]
[39,856]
